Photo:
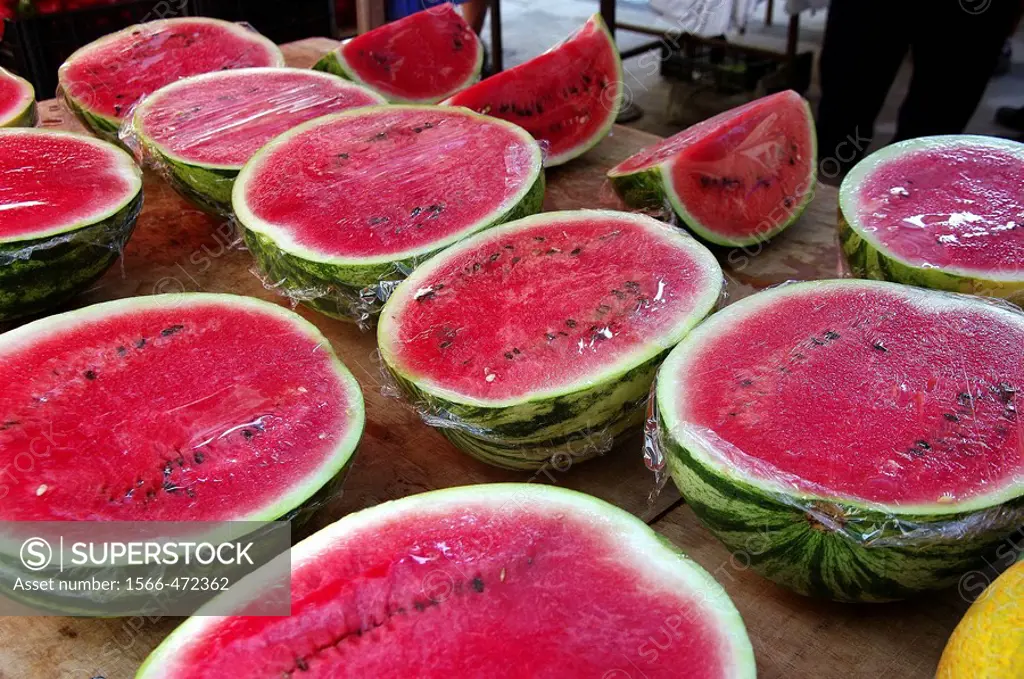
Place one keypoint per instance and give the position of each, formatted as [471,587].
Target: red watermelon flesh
[170,408]
[222,119]
[109,76]
[956,205]
[567,97]
[386,180]
[498,581]
[32,205]
[861,390]
[15,96]
[742,175]
[587,290]
[423,57]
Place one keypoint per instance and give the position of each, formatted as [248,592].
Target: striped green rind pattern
[207,188]
[329,63]
[834,550]
[867,261]
[643,190]
[36,275]
[562,430]
[105,128]
[811,541]
[353,292]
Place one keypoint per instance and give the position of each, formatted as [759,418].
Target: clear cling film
[382,190]
[68,205]
[103,80]
[855,440]
[199,132]
[537,341]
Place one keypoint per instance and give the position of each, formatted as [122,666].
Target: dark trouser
[954,45]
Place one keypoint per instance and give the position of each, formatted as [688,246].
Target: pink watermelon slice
[500,581]
[203,129]
[420,59]
[173,408]
[865,435]
[567,98]
[339,207]
[17,101]
[541,337]
[58,236]
[102,81]
[939,212]
[736,179]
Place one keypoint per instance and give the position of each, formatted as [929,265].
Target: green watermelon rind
[869,258]
[334,62]
[40,272]
[580,419]
[651,188]
[336,286]
[27,115]
[109,128]
[881,553]
[207,185]
[658,560]
[304,495]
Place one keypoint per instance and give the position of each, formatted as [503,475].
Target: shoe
[1011,117]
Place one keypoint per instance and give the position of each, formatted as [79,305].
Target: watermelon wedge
[190,407]
[939,212]
[419,59]
[499,581]
[857,440]
[201,130]
[539,339]
[567,98]
[58,237]
[102,81]
[17,101]
[736,179]
[338,207]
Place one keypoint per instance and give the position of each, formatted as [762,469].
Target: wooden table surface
[177,248]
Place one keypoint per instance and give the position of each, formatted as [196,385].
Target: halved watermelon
[68,205]
[939,212]
[857,440]
[189,407]
[567,98]
[420,59]
[102,81]
[541,337]
[496,581]
[203,129]
[17,101]
[339,206]
[736,179]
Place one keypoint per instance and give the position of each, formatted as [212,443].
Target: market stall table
[177,248]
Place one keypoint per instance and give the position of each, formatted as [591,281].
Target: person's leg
[865,43]
[954,53]
[474,12]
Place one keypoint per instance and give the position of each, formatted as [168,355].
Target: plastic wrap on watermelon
[102,81]
[56,239]
[199,132]
[382,190]
[855,440]
[535,342]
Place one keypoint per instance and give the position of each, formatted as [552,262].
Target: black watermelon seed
[90,374]
[174,329]
[478,585]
